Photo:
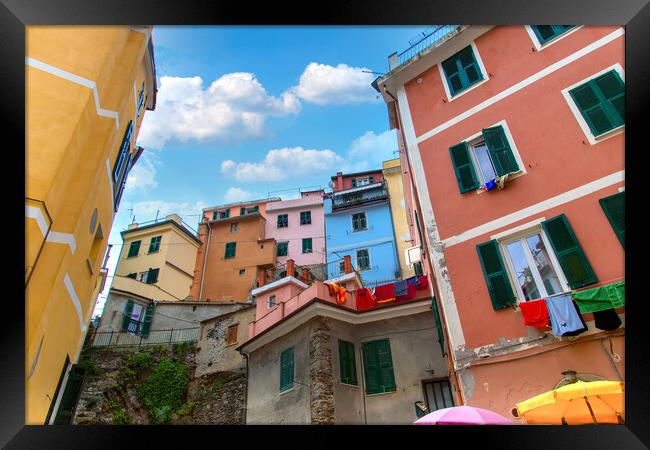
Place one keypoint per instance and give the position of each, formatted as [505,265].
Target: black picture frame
[634,14]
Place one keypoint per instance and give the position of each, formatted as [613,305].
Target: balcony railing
[155,337]
[356,198]
[428,38]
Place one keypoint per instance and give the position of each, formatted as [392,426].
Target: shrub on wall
[162,390]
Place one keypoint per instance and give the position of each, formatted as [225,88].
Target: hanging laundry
[410,293]
[332,288]
[401,288]
[607,320]
[340,295]
[385,293]
[490,185]
[365,299]
[601,298]
[423,282]
[564,316]
[501,181]
[535,313]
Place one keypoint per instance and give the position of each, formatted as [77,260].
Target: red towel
[535,313]
[385,293]
[410,293]
[423,282]
[365,299]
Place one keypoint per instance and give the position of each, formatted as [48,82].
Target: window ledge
[608,134]
[511,176]
[350,385]
[466,90]
[381,393]
[287,390]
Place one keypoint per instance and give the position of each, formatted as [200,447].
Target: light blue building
[358,223]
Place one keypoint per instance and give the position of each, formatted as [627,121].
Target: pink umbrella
[463,415]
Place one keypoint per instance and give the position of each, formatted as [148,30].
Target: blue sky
[247,111]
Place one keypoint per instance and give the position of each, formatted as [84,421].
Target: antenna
[157,212]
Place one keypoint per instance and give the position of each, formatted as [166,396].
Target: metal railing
[426,39]
[155,337]
[379,192]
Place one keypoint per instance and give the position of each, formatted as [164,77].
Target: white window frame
[363,181]
[519,234]
[477,137]
[539,46]
[593,140]
[356,258]
[479,61]
[220,212]
[352,222]
[270,304]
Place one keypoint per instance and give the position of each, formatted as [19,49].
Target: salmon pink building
[512,143]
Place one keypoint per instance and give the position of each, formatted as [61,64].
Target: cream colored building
[392,172]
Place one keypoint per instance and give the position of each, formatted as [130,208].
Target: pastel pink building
[298,226]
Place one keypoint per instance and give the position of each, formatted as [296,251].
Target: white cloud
[235,194]
[143,175]
[233,108]
[370,150]
[281,164]
[323,84]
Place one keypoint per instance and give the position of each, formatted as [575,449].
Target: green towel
[601,298]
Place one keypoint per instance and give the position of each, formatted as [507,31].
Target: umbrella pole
[591,411]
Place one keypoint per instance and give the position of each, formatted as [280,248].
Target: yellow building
[392,172]
[87,89]
[160,257]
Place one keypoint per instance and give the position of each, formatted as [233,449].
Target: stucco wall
[266,404]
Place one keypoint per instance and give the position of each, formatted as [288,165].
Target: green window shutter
[461,70]
[371,370]
[70,396]
[128,309]
[154,245]
[286,369]
[386,366]
[347,363]
[601,102]
[495,275]
[463,167]
[134,249]
[614,207]
[283,248]
[569,253]
[230,249]
[242,211]
[306,245]
[500,151]
[152,276]
[227,214]
[148,317]
[547,33]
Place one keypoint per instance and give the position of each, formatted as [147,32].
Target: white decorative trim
[537,208]
[539,46]
[277,284]
[515,230]
[621,189]
[53,236]
[484,72]
[593,140]
[522,84]
[78,80]
[346,277]
[449,309]
[75,301]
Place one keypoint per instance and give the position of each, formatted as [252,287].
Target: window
[614,207]
[461,70]
[140,101]
[134,249]
[137,314]
[234,227]
[305,217]
[359,222]
[132,275]
[357,182]
[306,245]
[601,102]
[347,363]
[142,276]
[342,266]
[154,245]
[242,271]
[490,156]
[271,301]
[417,267]
[286,369]
[363,259]
[541,262]
[223,214]
[122,156]
[283,248]
[152,276]
[438,395]
[137,319]
[378,367]
[230,250]
[283,220]
[231,335]
[546,33]
[249,210]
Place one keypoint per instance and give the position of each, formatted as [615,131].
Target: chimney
[339,181]
[261,278]
[393,61]
[347,264]
[175,217]
[133,225]
[305,275]
[291,268]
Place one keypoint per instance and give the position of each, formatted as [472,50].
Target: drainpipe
[246,395]
[205,259]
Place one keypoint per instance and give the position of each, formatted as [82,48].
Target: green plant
[140,359]
[180,348]
[91,366]
[162,391]
[112,403]
[186,409]
[125,373]
[121,417]
[216,383]
[92,401]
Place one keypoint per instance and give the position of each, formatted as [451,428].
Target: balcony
[431,37]
[358,196]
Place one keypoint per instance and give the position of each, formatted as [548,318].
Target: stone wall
[321,374]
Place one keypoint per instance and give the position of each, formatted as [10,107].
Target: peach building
[234,250]
[512,143]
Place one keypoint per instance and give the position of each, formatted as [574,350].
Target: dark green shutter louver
[386,366]
[546,33]
[500,151]
[148,317]
[306,245]
[134,248]
[230,250]
[463,167]
[70,396]
[152,276]
[242,211]
[378,367]
[461,70]
[347,363]
[602,102]
[495,274]
[614,207]
[569,253]
[286,369]
[128,309]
